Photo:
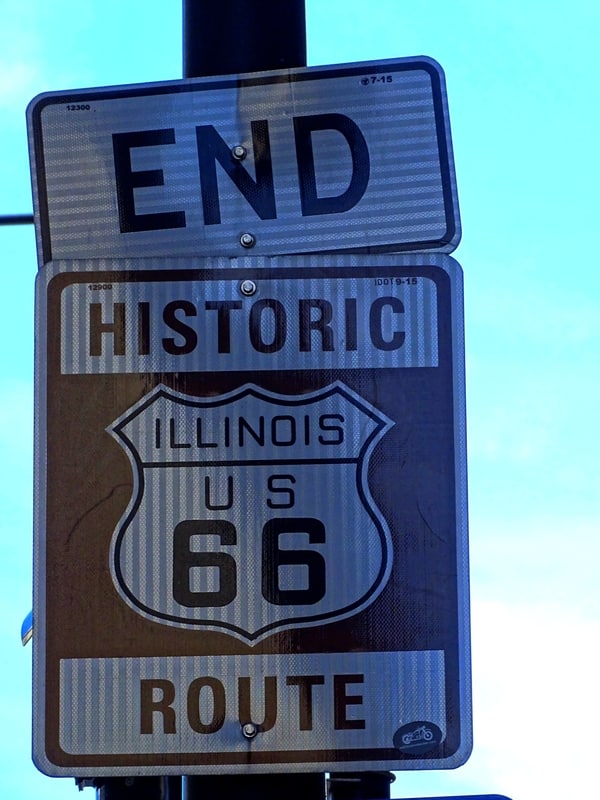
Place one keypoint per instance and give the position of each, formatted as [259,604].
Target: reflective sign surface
[322,159]
[251,537]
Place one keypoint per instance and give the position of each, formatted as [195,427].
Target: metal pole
[222,37]
[304,786]
[360,785]
[138,788]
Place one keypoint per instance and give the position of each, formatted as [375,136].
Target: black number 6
[273,558]
[184,559]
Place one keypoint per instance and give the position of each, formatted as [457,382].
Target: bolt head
[248,288]
[247,240]
[239,152]
[249,730]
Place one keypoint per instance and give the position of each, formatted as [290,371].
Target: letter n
[259,193]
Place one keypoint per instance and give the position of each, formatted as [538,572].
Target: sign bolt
[247,240]
[248,288]
[239,152]
[249,730]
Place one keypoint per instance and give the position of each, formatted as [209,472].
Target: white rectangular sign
[335,158]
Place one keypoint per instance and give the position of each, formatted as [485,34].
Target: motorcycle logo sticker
[250,512]
[417,738]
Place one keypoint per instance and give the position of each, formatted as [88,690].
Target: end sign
[336,158]
[250,532]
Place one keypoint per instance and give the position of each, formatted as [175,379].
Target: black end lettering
[127,180]
[259,193]
[310,202]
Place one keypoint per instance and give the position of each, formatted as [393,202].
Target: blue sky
[524,98]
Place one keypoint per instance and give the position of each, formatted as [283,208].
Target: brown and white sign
[251,520]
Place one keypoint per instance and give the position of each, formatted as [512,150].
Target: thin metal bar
[16,219]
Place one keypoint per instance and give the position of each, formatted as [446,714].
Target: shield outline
[381,427]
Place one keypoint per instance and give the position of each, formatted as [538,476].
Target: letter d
[361,166]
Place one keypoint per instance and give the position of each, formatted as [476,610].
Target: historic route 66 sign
[251,516]
[248,478]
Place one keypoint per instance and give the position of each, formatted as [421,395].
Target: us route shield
[250,516]
[246,483]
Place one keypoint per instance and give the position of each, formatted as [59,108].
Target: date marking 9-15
[411,281]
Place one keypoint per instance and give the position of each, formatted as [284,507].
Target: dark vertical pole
[138,788]
[304,786]
[223,37]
